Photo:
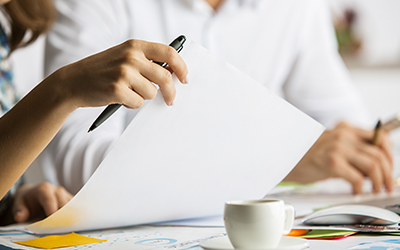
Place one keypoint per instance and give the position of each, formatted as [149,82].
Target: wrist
[56,85]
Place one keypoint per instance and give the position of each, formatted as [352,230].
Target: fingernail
[186,81]
[172,103]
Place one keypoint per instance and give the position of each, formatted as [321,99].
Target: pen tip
[378,124]
[93,127]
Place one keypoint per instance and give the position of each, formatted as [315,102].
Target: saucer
[286,243]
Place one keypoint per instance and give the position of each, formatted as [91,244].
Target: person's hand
[123,74]
[347,152]
[37,202]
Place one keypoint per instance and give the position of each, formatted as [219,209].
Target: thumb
[20,211]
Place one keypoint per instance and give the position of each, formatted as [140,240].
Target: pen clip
[179,49]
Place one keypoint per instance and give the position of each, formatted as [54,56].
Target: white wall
[378,25]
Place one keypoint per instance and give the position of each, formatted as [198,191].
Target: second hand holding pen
[177,44]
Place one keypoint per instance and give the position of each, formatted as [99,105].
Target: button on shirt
[286,45]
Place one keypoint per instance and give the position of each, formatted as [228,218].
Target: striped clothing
[8,98]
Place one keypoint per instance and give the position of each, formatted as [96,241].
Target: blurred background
[368,34]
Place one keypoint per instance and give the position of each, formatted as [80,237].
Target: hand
[36,202]
[347,152]
[123,74]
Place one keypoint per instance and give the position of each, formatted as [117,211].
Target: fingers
[386,146]
[359,155]
[141,71]
[20,210]
[367,167]
[131,99]
[376,166]
[367,135]
[163,78]
[159,75]
[33,201]
[122,74]
[346,171]
[46,197]
[63,196]
[164,53]
[136,90]
[52,198]
[380,165]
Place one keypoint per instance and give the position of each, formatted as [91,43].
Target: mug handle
[289,210]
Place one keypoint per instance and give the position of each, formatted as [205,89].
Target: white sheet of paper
[227,137]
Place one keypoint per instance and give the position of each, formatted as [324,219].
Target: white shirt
[286,45]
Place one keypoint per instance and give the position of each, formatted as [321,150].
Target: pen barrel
[107,112]
[375,139]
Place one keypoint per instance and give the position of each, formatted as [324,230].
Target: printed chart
[387,244]
[140,237]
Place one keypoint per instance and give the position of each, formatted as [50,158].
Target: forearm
[95,81]
[27,128]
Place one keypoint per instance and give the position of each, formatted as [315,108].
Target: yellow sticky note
[57,241]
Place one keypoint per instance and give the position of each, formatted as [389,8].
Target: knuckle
[380,156]
[332,160]
[117,91]
[340,135]
[131,57]
[60,189]
[152,93]
[45,186]
[113,89]
[164,78]
[138,103]
[123,71]
[373,166]
[170,53]
[132,43]
[336,147]
[149,93]
[343,124]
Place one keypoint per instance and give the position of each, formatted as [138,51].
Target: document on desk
[226,137]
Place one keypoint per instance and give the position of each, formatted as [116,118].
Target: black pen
[377,131]
[177,44]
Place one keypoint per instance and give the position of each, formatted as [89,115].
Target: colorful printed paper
[327,234]
[57,241]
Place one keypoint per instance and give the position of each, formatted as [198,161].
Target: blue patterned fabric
[8,96]
[7,199]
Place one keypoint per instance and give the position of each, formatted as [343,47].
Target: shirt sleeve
[319,83]
[82,28]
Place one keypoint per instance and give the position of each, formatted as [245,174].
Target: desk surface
[183,238]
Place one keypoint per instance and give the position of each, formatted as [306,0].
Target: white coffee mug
[257,224]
